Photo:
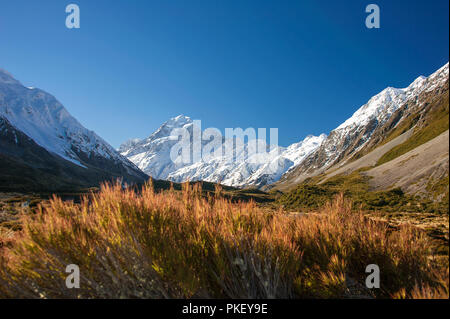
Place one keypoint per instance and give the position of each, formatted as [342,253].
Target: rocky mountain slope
[417,171]
[42,145]
[391,124]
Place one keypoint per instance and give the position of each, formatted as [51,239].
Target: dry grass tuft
[182,245]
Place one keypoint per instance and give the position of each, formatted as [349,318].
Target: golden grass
[174,244]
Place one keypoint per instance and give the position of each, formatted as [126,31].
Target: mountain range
[152,155]
[43,147]
[397,114]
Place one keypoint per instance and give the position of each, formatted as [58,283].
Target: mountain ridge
[39,116]
[354,138]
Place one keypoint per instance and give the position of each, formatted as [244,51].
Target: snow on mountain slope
[309,156]
[352,135]
[292,156]
[152,155]
[384,104]
[45,120]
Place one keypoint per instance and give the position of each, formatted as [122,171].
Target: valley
[375,187]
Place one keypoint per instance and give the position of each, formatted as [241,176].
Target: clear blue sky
[301,66]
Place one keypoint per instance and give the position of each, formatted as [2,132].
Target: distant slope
[368,160]
[42,147]
[393,123]
[431,121]
[427,115]
[26,166]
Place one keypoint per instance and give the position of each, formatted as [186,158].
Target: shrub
[174,244]
[310,195]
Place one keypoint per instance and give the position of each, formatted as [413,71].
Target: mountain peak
[417,82]
[355,134]
[180,117]
[42,119]
[128,144]
[153,156]
[175,122]
[7,78]
[179,120]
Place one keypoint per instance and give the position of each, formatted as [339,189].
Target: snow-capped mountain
[356,132]
[313,155]
[39,116]
[152,155]
[255,170]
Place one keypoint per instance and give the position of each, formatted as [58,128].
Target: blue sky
[301,66]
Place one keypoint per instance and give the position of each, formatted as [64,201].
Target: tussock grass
[174,244]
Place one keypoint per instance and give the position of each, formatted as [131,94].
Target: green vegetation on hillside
[312,195]
[432,119]
[439,190]
[436,123]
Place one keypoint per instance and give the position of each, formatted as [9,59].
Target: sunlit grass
[175,244]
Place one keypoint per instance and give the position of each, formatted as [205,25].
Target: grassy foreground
[173,244]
